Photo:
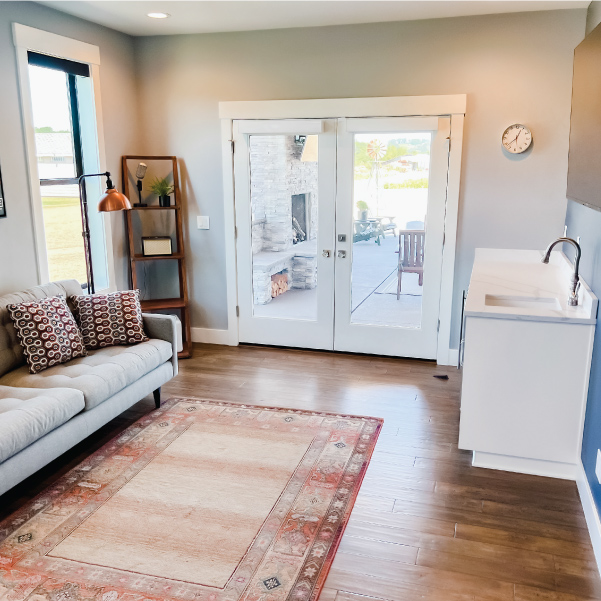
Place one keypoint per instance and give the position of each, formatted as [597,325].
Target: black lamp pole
[111,200]
[85,224]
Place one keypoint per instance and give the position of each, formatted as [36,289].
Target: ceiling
[221,16]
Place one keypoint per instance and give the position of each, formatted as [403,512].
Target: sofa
[43,415]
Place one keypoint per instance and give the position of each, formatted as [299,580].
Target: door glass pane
[62,225]
[284,206]
[390,196]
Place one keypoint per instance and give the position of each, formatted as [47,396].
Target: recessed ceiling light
[159,15]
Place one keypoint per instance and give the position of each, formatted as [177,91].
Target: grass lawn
[64,242]
[59,201]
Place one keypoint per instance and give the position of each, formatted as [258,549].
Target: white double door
[340,232]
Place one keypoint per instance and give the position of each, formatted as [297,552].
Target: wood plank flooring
[426,524]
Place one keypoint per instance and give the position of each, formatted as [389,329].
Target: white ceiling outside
[222,16]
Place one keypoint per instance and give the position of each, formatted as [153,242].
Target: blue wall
[586,223]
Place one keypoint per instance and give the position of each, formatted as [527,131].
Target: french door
[340,231]
[285,187]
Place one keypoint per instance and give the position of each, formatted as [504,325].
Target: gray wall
[514,68]
[119,104]
[593,17]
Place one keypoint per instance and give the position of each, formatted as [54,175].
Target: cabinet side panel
[524,388]
[584,176]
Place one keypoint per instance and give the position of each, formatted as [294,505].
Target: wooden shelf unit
[153,208]
[181,304]
[159,257]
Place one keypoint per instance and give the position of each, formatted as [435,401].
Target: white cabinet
[526,364]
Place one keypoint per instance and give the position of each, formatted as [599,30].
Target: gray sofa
[43,415]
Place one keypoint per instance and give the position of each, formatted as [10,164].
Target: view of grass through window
[64,242]
[55,154]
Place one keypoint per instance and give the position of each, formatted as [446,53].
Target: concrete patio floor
[374,269]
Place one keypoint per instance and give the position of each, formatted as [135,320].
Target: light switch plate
[598,466]
[202,222]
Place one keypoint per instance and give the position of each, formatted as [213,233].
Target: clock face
[516,138]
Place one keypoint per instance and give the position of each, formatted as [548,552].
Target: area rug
[199,501]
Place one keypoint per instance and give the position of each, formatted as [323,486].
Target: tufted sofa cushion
[27,414]
[11,353]
[100,375]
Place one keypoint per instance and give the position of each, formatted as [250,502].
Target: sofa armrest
[162,327]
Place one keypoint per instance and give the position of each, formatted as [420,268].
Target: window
[54,87]
[62,120]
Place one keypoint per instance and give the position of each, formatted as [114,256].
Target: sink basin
[522,302]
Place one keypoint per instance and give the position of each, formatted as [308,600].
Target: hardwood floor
[426,524]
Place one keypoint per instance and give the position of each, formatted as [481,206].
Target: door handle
[326,254]
[341,237]
[341,254]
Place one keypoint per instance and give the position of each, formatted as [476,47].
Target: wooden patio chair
[411,256]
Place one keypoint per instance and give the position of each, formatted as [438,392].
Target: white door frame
[401,106]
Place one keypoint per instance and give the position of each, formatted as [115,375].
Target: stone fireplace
[284,202]
[301,217]
[279,182]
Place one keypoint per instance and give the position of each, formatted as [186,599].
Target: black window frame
[72,70]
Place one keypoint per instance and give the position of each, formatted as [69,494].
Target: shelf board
[163,303]
[158,257]
[157,208]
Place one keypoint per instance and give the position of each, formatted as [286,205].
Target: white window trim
[25,39]
[399,106]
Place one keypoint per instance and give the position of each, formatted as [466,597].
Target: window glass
[55,119]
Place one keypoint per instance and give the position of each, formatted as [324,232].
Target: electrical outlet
[598,466]
[202,222]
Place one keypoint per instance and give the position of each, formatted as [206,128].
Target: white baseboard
[523,465]
[212,336]
[225,337]
[590,513]
[450,359]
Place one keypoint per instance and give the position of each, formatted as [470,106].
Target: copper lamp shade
[113,200]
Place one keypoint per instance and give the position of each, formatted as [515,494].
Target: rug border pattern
[312,573]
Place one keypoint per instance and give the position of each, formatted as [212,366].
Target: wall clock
[516,138]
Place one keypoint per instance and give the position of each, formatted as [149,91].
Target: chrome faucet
[575,283]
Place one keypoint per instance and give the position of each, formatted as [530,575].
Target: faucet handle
[573,298]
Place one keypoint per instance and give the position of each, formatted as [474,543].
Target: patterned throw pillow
[47,332]
[110,319]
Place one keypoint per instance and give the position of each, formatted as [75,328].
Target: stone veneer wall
[277,173]
[302,178]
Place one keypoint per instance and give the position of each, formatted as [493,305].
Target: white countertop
[515,284]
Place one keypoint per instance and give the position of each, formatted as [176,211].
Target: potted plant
[362,206]
[162,188]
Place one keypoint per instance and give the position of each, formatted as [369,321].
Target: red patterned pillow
[110,319]
[47,332]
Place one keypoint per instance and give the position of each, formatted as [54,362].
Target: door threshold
[333,352]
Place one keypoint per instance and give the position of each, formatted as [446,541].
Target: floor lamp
[111,200]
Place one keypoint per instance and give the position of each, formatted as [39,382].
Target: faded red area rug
[199,501]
